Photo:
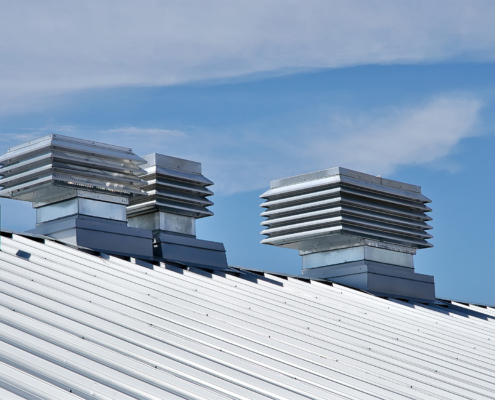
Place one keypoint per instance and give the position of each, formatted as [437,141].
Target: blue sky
[258,91]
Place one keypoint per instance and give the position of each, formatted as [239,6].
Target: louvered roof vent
[174,185]
[55,165]
[177,196]
[353,228]
[80,190]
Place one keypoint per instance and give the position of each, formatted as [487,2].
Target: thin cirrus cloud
[418,135]
[414,136]
[150,133]
[244,162]
[50,48]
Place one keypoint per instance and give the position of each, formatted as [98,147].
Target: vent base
[99,234]
[375,277]
[188,250]
[163,221]
[359,253]
[81,206]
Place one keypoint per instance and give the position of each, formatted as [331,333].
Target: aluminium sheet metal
[75,325]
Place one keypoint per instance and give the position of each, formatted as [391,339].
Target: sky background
[257,91]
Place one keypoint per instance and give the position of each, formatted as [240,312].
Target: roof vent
[79,189]
[177,196]
[352,228]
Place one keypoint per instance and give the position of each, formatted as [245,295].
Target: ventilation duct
[177,196]
[352,228]
[80,190]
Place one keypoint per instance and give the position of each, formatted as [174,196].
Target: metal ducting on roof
[352,227]
[80,190]
[177,196]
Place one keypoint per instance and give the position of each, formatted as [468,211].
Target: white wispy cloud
[419,135]
[27,134]
[413,136]
[47,49]
[155,133]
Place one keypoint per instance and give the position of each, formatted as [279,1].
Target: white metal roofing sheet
[76,325]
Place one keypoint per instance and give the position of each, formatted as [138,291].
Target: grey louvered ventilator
[177,196]
[352,228]
[174,186]
[342,204]
[80,189]
[49,166]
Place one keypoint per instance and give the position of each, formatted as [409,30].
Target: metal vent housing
[49,167]
[80,190]
[337,206]
[174,186]
[177,196]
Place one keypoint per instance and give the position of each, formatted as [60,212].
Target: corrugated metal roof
[76,325]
